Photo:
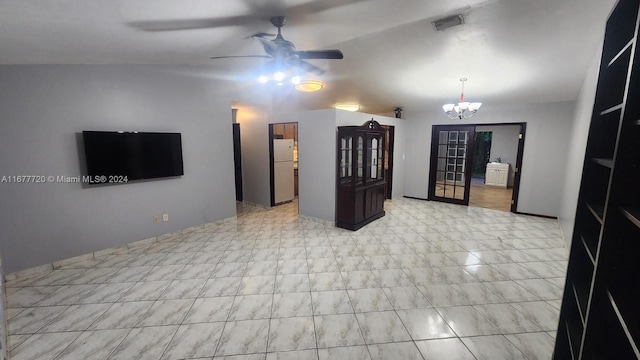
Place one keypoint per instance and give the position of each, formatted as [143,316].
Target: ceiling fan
[284,53]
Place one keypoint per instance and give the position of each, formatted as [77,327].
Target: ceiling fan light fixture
[278,76]
[296,80]
[309,86]
[347,107]
[263,79]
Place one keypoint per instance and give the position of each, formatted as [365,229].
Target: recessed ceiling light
[347,107]
[309,86]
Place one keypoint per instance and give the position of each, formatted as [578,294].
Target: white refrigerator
[283,170]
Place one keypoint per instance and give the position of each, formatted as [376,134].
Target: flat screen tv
[134,155]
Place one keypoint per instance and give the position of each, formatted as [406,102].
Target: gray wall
[504,144]
[43,108]
[254,139]
[576,149]
[316,162]
[3,317]
[548,129]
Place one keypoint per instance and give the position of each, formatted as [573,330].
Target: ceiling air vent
[450,21]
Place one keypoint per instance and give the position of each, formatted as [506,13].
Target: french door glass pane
[452,154]
[442,139]
[453,136]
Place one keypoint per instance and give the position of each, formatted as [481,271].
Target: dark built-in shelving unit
[600,315]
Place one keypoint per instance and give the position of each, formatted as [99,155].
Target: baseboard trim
[415,198]
[537,215]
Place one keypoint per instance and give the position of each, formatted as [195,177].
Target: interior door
[388,160]
[237,161]
[451,157]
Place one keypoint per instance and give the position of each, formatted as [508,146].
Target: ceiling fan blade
[305,66]
[316,6]
[241,56]
[260,35]
[260,10]
[320,54]
[192,24]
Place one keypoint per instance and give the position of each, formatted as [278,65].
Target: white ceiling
[510,50]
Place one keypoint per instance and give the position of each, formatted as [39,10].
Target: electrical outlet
[165,217]
[156,219]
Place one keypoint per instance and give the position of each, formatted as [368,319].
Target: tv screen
[134,155]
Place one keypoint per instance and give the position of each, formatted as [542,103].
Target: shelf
[620,29]
[629,44]
[597,211]
[632,214]
[611,89]
[574,332]
[586,247]
[611,109]
[582,308]
[573,356]
[604,162]
[623,323]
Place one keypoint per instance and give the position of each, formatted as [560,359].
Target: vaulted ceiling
[512,51]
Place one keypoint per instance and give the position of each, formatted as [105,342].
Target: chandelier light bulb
[463,109]
[278,76]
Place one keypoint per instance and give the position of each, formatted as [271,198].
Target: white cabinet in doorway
[497,174]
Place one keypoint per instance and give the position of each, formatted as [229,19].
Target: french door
[451,155]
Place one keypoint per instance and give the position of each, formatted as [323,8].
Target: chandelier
[463,109]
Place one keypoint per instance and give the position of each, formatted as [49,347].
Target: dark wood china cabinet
[360,175]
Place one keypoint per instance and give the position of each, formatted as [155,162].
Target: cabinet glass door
[372,157]
[450,180]
[360,161]
[346,157]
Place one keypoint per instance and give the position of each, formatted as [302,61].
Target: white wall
[44,108]
[254,142]
[576,149]
[504,145]
[544,158]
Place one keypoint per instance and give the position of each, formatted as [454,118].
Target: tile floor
[427,281]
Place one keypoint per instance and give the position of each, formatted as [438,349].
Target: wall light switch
[165,217]
[156,219]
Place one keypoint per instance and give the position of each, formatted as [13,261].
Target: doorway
[481,155]
[388,160]
[477,165]
[237,160]
[281,171]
